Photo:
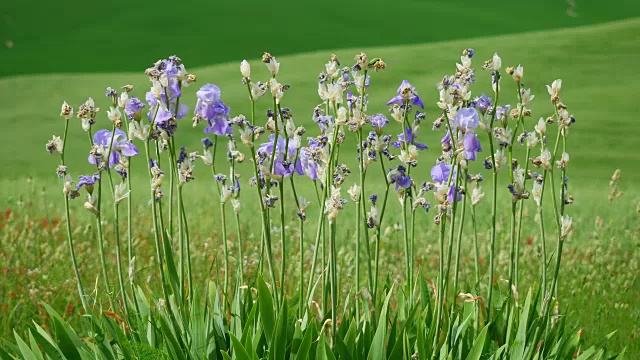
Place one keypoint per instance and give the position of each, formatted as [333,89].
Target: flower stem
[283,241]
[72,250]
[459,241]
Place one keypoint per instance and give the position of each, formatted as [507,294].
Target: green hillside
[104,36]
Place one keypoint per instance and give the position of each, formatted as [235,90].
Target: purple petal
[417,101]
[183,109]
[128,149]
[102,137]
[395,100]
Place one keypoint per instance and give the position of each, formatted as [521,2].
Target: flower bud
[245,69]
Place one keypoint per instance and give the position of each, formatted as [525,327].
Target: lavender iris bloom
[121,145]
[133,108]
[410,138]
[400,178]
[211,108]
[406,93]
[453,192]
[440,173]
[379,121]
[482,103]
[283,165]
[446,138]
[163,113]
[88,181]
[466,118]
[471,145]
[307,161]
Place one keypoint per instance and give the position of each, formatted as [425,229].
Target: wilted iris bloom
[406,93]
[502,112]
[211,108]
[121,145]
[134,108]
[410,137]
[323,121]
[400,178]
[87,181]
[379,121]
[207,143]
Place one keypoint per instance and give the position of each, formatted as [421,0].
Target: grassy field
[600,282]
[77,36]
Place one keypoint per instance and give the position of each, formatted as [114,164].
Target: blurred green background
[107,36]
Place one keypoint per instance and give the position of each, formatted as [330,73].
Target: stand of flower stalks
[264,312]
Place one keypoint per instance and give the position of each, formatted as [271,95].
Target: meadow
[599,284]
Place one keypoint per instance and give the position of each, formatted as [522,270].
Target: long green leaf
[25,351]
[48,345]
[305,346]
[478,344]
[377,351]
[238,350]
[265,302]
[278,347]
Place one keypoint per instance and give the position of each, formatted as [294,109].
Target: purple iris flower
[379,121]
[307,161]
[482,103]
[400,178]
[323,121]
[446,138]
[502,111]
[121,145]
[208,93]
[88,181]
[283,165]
[410,137]
[466,118]
[133,108]
[453,192]
[164,114]
[211,108]
[471,145]
[406,92]
[440,173]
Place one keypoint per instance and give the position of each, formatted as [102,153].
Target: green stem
[334,282]
[321,215]
[520,214]
[494,206]
[283,241]
[73,251]
[459,240]
[266,231]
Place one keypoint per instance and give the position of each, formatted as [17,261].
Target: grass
[600,281]
[77,36]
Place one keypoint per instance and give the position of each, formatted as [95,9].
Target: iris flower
[121,145]
[406,93]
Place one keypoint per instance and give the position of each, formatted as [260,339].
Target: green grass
[101,36]
[599,85]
